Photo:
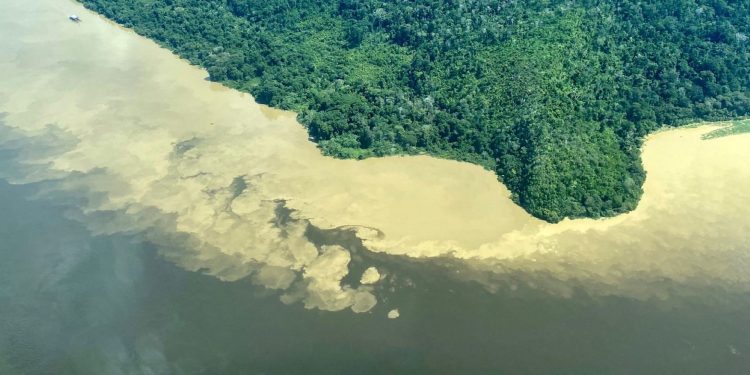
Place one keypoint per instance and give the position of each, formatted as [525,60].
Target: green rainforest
[554,96]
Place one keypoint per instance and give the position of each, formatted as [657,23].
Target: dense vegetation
[554,95]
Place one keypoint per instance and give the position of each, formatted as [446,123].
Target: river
[171,225]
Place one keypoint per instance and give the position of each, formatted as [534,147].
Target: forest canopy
[554,96]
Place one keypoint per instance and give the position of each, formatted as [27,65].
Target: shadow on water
[77,304]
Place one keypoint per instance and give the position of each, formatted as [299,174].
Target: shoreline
[438,156]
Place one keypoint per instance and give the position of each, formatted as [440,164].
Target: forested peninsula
[554,96]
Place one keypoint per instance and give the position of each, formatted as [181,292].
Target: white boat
[74,18]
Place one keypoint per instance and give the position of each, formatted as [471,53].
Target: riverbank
[554,113]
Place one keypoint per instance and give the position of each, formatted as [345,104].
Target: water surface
[80,304]
[203,233]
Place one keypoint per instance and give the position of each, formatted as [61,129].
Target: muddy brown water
[135,142]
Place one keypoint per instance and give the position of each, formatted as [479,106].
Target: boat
[74,18]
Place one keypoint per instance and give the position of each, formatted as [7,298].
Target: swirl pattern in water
[99,114]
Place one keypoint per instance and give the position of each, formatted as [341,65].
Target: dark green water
[71,303]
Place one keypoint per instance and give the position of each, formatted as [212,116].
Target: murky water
[134,142]
[71,303]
